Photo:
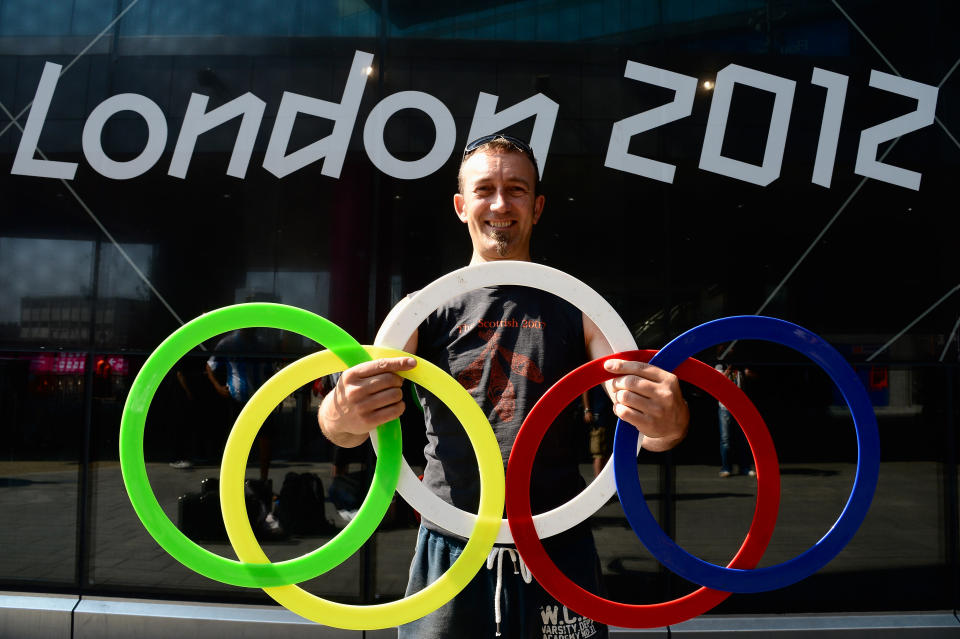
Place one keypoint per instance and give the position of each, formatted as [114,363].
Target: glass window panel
[254,18]
[42,279]
[92,16]
[185,433]
[25,18]
[124,293]
[814,438]
[41,399]
[865,263]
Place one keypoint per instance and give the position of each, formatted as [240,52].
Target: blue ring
[864,485]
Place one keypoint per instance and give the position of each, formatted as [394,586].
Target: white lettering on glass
[684,87]
[836,85]
[198,120]
[25,162]
[870,139]
[711,158]
[443,143]
[333,148]
[486,121]
[93,131]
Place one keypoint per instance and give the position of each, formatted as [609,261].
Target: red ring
[520,518]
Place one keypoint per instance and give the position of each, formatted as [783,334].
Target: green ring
[133,465]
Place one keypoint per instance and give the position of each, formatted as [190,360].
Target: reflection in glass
[46,286]
[303,289]
[123,293]
[41,399]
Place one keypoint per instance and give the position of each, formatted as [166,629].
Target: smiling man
[498,201]
[506,345]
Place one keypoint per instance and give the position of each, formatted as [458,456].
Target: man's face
[498,205]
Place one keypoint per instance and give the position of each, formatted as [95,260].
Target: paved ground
[899,547]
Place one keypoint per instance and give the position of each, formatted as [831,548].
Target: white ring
[406,317]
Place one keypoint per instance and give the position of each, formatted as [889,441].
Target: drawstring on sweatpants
[496,556]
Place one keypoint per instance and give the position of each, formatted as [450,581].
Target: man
[242,377]
[507,346]
[596,415]
[732,438]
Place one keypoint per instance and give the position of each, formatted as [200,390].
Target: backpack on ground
[302,508]
[199,516]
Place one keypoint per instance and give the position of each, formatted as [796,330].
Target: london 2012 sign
[331,150]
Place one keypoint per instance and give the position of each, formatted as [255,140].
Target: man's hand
[649,398]
[366,396]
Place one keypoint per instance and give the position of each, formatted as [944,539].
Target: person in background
[243,375]
[597,417]
[733,443]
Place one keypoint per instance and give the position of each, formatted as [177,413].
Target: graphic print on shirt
[560,621]
[500,390]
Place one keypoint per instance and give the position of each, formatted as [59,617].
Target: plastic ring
[481,538]
[134,469]
[406,316]
[864,485]
[524,526]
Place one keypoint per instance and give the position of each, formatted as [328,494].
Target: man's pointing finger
[381,366]
[626,367]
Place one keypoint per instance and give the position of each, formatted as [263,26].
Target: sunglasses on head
[517,142]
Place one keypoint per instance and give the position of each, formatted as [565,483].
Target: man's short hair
[498,143]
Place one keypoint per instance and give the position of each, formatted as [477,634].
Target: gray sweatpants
[527,610]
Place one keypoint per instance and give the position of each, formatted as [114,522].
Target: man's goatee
[502,241]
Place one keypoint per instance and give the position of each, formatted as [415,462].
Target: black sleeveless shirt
[507,345]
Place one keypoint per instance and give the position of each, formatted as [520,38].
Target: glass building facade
[160,159]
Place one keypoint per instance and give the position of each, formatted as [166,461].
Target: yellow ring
[395,613]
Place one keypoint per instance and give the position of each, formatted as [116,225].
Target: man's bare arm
[365,396]
[645,396]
